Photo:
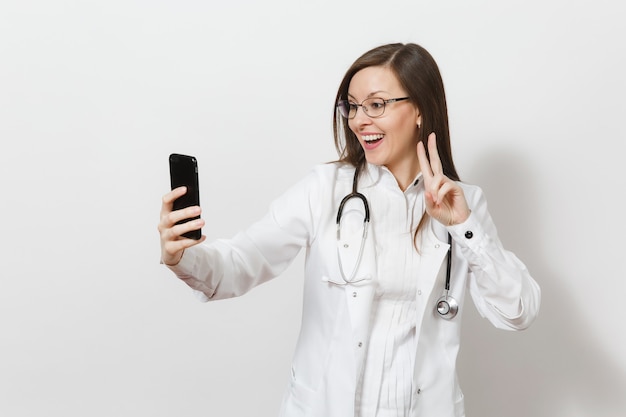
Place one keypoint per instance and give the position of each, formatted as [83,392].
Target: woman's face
[390,139]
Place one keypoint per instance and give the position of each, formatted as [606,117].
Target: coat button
[469,234]
[354,294]
[360,344]
[419,292]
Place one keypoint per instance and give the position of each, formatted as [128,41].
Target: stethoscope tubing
[366,222]
[446,306]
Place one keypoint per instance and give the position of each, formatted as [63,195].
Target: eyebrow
[373,93]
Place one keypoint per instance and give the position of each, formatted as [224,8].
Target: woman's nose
[361,117]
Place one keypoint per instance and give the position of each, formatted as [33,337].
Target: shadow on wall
[553,368]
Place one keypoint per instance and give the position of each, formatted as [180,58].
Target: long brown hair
[419,75]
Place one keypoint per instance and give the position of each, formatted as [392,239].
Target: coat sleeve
[229,268]
[499,283]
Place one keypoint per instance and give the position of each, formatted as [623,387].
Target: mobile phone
[184,171]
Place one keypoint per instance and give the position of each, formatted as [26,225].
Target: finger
[169,219]
[446,189]
[184,214]
[423,161]
[170,230]
[435,162]
[174,248]
[434,187]
[168,199]
[176,231]
[429,200]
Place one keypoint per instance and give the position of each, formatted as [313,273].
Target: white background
[95,95]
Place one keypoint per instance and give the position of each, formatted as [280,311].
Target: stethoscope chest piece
[447,307]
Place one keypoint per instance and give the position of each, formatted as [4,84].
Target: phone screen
[184,171]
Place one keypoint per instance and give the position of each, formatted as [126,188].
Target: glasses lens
[344,108]
[374,107]
[347,109]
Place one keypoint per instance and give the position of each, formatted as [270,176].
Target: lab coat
[331,348]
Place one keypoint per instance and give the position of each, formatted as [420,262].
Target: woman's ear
[419,121]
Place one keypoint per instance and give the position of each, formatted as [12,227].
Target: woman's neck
[405,174]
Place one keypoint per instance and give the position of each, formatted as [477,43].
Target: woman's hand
[172,243]
[444,198]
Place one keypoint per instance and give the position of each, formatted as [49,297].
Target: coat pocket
[459,407]
[337,279]
[298,399]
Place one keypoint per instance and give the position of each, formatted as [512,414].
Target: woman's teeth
[372,138]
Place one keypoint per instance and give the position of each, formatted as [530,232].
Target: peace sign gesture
[444,198]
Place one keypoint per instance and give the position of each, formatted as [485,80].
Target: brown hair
[419,75]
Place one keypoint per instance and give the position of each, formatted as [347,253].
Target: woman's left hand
[444,198]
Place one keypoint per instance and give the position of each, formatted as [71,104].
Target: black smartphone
[184,171]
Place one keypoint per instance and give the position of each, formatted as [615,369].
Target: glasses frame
[385,102]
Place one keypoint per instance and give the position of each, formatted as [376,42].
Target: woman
[380,329]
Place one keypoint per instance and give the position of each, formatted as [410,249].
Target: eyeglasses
[373,107]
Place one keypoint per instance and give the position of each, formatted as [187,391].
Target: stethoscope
[447,307]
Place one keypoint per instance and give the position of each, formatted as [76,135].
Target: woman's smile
[371,141]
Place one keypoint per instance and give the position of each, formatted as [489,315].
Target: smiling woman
[374,339]
[389,138]
[96,95]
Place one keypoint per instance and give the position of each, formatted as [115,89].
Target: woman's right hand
[172,243]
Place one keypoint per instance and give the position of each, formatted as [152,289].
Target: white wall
[95,95]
